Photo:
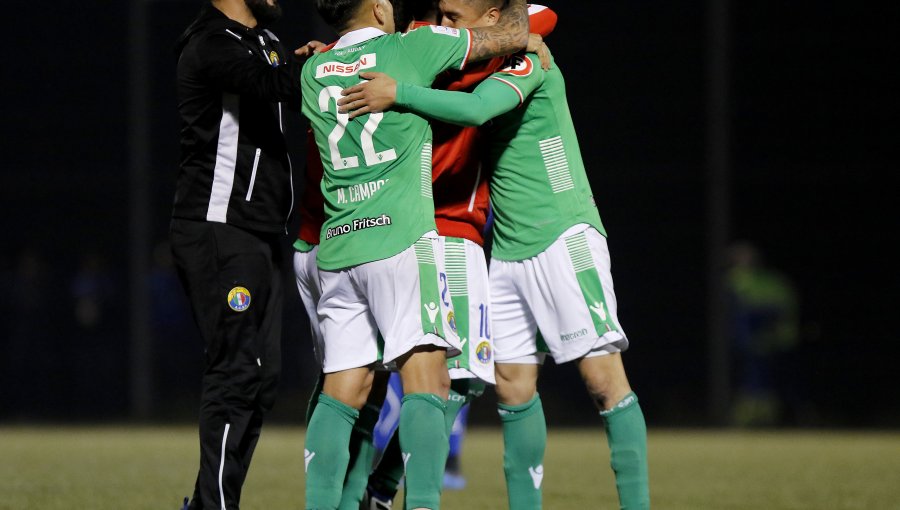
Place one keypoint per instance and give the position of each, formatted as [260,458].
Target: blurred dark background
[771,123]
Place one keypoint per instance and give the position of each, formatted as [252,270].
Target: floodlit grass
[101,468]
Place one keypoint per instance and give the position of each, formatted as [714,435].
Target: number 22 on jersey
[339,162]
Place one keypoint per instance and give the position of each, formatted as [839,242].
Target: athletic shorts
[399,296]
[467,281]
[307,275]
[560,302]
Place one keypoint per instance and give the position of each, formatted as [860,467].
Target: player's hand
[377,94]
[536,45]
[308,49]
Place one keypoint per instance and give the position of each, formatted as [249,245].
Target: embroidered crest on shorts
[484,352]
[451,320]
[239,299]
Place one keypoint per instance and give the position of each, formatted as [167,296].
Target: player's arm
[489,99]
[231,67]
[508,36]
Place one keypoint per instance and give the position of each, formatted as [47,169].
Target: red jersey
[461,195]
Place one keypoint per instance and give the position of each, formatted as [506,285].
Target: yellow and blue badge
[451,319]
[273,58]
[239,299]
[483,352]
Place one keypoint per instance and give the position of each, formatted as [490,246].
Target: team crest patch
[483,352]
[451,320]
[517,65]
[239,299]
[273,58]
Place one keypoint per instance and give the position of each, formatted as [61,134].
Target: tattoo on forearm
[508,36]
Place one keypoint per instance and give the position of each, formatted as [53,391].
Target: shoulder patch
[517,65]
[454,32]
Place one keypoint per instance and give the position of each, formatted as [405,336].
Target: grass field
[152,468]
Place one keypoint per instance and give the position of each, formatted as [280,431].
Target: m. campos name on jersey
[359,192]
[358,224]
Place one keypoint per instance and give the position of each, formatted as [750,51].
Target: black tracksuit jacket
[234,165]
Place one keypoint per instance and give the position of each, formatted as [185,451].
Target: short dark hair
[338,13]
[407,11]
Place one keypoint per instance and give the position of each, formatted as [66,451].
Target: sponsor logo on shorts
[599,309]
[359,192]
[432,309]
[358,224]
[483,352]
[239,299]
[568,337]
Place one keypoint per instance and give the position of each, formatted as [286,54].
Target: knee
[606,389]
[513,388]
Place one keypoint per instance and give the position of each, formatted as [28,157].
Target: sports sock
[362,453]
[327,437]
[626,433]
[424,445]
[524,442]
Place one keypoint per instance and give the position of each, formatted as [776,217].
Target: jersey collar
[358,36]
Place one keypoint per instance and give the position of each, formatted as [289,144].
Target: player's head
[471,13]
[346,15]
[266,12]
[408,11]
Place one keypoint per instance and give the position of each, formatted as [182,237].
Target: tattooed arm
[509,35]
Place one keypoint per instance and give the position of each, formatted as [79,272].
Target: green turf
[152,468]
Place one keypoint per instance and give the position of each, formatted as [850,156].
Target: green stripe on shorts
[589,281]
[429,294]
[457,281]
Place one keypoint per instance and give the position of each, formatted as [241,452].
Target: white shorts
[399,296]
[307,274]
[467,281]
[565,293]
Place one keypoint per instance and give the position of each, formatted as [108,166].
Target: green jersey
[539,186]
[377,179]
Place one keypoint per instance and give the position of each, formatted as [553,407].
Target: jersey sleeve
[522,73]
[488,100]
[435,49]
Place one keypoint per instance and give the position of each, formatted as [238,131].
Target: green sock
[362,453]
[626,433]
[524,442]
[326,452]
[423,440]
[455,402]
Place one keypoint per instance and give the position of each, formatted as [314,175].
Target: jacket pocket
[253,174]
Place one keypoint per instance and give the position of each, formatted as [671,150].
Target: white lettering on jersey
[445,30]
[366,61]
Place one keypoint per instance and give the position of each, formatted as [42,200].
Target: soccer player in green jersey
[551,286]
[377,258]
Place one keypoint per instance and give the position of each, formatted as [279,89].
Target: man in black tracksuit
[233,200]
